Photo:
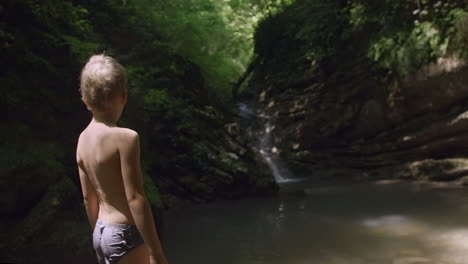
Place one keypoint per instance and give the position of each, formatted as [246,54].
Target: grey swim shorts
[112,241]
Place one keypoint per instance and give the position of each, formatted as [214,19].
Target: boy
[108,160]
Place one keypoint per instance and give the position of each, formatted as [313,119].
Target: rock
[435,170]
[233,129]
[371,118]
[233,156]
[235,146]
[413,260]
[464,181]
[303,154]
[223,176]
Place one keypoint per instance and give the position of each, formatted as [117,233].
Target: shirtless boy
[108,160]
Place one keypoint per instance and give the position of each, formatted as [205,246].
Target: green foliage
[458,30]
[155,100]
[435,30]
[301,35]
[79,47]
[151,191]
[34,92]
[396,37]
[25,151]
[216,35]
[408,51]
[198,31]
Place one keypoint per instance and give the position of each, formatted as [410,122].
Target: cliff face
[345,114]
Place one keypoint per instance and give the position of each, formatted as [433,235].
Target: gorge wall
[359,92]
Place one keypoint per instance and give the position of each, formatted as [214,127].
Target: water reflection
[448,245]
[395,225]
[357,224]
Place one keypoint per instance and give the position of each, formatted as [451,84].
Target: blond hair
[101,78]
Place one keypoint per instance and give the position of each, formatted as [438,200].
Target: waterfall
[269,154]
[260,130]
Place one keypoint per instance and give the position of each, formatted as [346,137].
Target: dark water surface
[353,224]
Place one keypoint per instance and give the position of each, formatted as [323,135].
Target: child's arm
[137,201]
[90,198]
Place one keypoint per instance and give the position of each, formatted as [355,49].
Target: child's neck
[106,120]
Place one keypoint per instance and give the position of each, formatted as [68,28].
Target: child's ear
[124,97]
[84,102]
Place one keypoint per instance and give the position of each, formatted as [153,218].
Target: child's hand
[156,260]
[153,260]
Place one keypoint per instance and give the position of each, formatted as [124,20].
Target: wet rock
[435,170]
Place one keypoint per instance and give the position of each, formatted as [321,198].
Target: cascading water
[269,154]
[260,129]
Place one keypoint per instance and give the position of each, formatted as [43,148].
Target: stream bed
[365,223]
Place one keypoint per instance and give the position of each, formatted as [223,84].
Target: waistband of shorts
[104,223]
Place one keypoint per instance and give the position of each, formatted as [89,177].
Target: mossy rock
[436,170]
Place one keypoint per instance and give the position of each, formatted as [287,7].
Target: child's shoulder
[111,133]
[125,135]
[126,132]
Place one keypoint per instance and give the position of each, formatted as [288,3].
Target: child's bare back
[98,153]
[108,160]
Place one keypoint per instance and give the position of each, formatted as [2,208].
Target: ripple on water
[395,225]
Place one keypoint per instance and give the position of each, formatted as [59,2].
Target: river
[365,223]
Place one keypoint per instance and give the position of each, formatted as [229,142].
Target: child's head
[101,80]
